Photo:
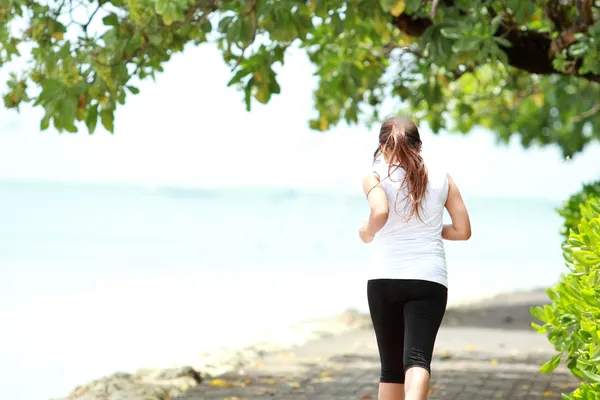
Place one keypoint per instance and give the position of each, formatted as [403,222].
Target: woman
[407,289]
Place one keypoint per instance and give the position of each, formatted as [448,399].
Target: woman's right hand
[460,229]
[364,233]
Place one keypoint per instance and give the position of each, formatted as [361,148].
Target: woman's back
[411,246]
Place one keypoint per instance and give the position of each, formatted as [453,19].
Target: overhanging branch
[530,51]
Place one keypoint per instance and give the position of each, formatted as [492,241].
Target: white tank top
[411,249]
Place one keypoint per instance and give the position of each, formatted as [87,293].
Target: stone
[145,384]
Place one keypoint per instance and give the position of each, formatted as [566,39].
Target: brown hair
[400,141]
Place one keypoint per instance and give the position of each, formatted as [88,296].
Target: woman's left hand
[364,234]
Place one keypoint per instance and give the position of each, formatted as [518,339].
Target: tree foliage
[574,207]
[518,67]
[572,320]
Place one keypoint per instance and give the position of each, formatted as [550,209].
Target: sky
[188,129]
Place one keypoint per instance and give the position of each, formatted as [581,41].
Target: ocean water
[95,279]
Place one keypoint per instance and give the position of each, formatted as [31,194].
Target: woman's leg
[423,315]
[388,321]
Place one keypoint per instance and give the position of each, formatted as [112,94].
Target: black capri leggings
[406,315]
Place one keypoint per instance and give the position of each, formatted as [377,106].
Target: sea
[102,278]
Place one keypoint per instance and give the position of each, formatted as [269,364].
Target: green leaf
[551,365]
[107,117]
[502,41]
[238,77]
[45,123]
[92,118]
[111,20]
[495,24]
[206,26]
[51,90]
[590,376]
[539,328]
[451,33]
[538,313]
[133,89]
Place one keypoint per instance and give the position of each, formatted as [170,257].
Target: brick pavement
[355,377]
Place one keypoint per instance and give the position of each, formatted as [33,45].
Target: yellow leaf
[220,383]
[259,77]
[323,123]
[271,381]
[470,347]
[538,99]
[548,394]
[294,385]
[494,361]
[58,35]
[325,374]
[262,94]
[398,8]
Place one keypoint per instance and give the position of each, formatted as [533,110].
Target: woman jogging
[407,287]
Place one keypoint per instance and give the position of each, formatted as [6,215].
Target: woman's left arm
[378,203]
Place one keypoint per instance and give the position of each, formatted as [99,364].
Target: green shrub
[571,210]
[572,321]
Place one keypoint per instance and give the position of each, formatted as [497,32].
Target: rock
[145,384]
[353,318]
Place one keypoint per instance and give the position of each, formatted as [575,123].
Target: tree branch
[531,51]
[592,111]
[585,15]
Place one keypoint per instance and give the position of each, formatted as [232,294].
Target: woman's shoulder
[436,172]
[381,167]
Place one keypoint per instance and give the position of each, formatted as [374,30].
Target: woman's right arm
[460,229]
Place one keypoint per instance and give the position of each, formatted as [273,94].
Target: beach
[485,350]
[98,278]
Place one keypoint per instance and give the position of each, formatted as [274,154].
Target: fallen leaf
[493,361]
[524,387]
[470,347]
[247,381]
[220,383]
[325,374]
[499,396]
[271,381]
[366,396]
[294,384]
[548,394]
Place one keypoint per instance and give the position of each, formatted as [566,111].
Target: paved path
[468,364]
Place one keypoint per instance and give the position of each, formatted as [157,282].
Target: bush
[571,211]
[572,321]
